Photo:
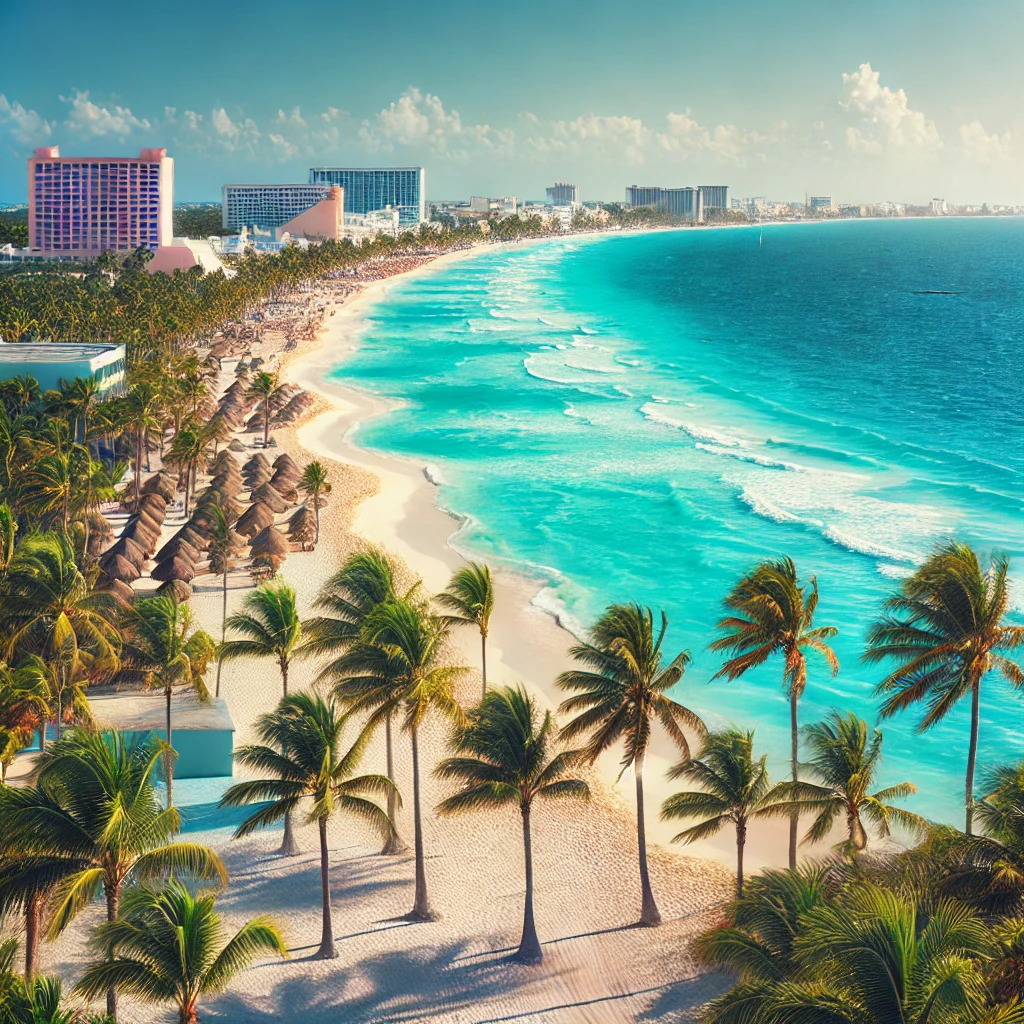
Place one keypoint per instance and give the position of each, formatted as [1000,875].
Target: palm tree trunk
[112,894]
[169,756]
[529,945]
[223,621]
[326,950]
[394,844]
[316,513]
[972,755]
[649,914]
[421,910]
[741,842]
[31,936]
[794,750]
[483,659]
[289,847]
[266,420]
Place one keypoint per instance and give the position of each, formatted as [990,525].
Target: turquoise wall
[202,753]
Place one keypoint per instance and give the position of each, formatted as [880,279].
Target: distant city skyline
[878,103]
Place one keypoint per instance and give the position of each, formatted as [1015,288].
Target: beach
[597,966]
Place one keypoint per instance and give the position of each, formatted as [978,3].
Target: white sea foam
[698,433]
[863,546]
[894,572]
[764,508]
[586,330]
[433,474]
[746,455]
[548,601]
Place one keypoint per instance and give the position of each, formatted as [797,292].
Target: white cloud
[233,135]
[984,148]
[595,135]
[886,119]
[93,121]
[285,149]
[420,119]
[26,125]
[725,142]
[292,120]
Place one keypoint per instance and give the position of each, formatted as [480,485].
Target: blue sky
[902,100]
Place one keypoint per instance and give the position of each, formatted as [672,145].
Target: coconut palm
[264,386]
[169,948]
[315,483]
[52,612]
[301,757]
[771,613]
[469,596]
[188,452]
[845,763]
[93,819]
[619,692]
[397,666]
[734,789]
[162,644]
[220,551]
[271,628]
[945,630]
[24,705]
[366,580]
[32,999]
[505,756]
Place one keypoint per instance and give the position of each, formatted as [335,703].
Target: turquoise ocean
[643,417]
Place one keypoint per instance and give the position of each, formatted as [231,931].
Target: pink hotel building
[79,206]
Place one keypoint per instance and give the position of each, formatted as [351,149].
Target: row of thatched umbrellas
[272,490]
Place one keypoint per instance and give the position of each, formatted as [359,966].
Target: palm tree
[945,631]
[505,757]
[264,386]
[315,483]
[53,613]
[271,628]
[187,452]
[31,999]
[470,597]
[366,580]
[771,613]
[220,551]
[397,666]
[300,758]
[734,788]
[24,703]
[619,693]
[93,817]
[845,763]
[161,643]
[169,948]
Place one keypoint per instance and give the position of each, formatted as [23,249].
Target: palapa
[116,588]
[269,497]
[128,548]
[178,589]
[236,445]
[302,525]
[176,568]
[284,459]
[192,534]
[178,546]
[257,461]
[269,542]
[117,567]
[257,476]
[255,518]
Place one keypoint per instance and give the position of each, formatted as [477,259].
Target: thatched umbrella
[255,518]
[270,497]
[149,518]
[231,509]
[228,480]
[117,567]
[302,526]
[146,535]
[284,459]
[128,548]
[101,533]
[162,484]
[153,503]
[236,445]
[285,479]
[178,546]
[269,542]
[116,588]
[192,534]
[176,568]
[223,460]
[178,589]
[255,422]
[259,460]
[257,476]
[219,350]
[238,542]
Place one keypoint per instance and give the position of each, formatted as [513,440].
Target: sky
[869,101]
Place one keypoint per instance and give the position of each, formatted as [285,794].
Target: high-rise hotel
[369,189]
[689,203]
[79,206]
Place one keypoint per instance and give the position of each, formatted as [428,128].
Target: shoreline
[527,643]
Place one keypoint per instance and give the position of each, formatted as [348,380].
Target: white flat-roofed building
[563,194]
[268,207]
[52,362]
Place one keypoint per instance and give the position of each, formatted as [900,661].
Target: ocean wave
[499,315]
[862,546]
[586,330]
[433,474]
[765,509]
[746,455]
[548,601]
[894,572]
[698,433]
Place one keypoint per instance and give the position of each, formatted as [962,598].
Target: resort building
[822,203]
[369,189]
[563,194]
[939,207]
[690,203]
[268,207]
[52,362]
[79,207]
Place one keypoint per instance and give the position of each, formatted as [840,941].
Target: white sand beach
[597,967]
